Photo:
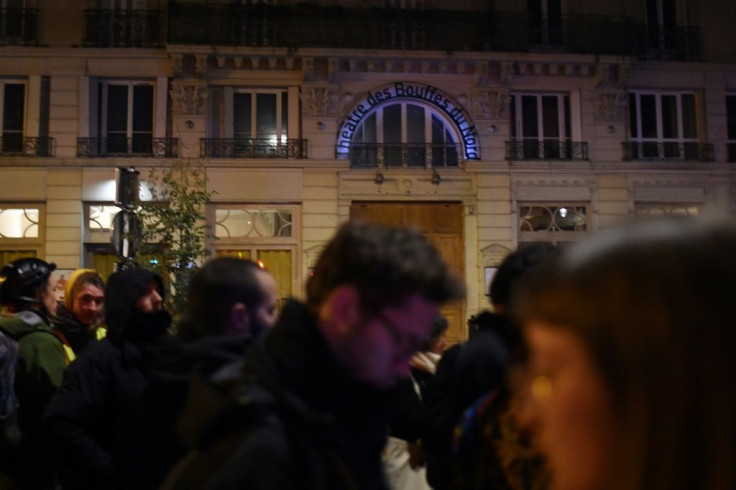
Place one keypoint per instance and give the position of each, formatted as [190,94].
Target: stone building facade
[485,124]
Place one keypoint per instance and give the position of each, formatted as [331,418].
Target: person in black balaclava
[83,421]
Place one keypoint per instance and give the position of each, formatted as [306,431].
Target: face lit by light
[87,304]
[378,350]
[571,410]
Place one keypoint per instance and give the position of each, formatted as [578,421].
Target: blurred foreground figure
[632,341]
[312,412]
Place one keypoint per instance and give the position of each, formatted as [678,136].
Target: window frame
[255,243]
[282,104]
[658,94]
[3,83]
[105,84]
[34,244]
[554,237]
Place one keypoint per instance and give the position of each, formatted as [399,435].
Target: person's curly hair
[385,264]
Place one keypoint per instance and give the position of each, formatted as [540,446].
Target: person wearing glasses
[312,411]
[632,345]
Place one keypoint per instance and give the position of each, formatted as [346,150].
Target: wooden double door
[442,224]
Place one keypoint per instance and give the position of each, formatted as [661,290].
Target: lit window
[666,209]
[239,223]
[557,223]
[19,222]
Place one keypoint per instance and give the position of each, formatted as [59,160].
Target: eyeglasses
[404,340]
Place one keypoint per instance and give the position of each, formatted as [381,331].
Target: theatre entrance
[442,224]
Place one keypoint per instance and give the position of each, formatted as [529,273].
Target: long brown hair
[655,306]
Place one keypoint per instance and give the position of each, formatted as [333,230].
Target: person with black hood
[230,304]
[27,289]
[84,421]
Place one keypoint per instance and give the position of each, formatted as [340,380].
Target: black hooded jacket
[84,420]
[301,422]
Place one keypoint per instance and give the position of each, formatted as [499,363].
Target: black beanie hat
[124,288]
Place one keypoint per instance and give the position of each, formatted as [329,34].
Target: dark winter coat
[303,423]
[465,372]
[150,432]
[84,421]
[38,374]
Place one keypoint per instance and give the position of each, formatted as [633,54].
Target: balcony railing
[731,152]
[421,29]
[19,27]
[404,155]
[17,145]
[672,43]
[127,147]
[123,29]
[253,148]
[549,149]
[653,150]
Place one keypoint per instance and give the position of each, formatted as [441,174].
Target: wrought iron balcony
[671,43]
[142,147]
[16,145]
[421,29]
[731,152]
[546,149]
[108,28]
[674,150]
[253,148]
[19,27]
[404,155]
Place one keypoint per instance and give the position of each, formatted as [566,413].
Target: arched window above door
[405,134]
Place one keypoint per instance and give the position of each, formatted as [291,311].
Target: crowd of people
[604,366]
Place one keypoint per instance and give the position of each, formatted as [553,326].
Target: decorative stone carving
[189,99]
[201,64]
[318,101]
[491,104]
[610,107]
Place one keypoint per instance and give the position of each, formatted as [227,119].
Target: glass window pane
[513,116]
[284,115]
[530,126]
[242,115]
[731,114]
[633,116]
[392,124]
[278,263]
[11,255]
[415,123]
[230,223]
[689,126]
[143,109]
[272,223]
[669,116]
[13,101]
[648,116]
[266,116]
[117,109]
[370,130]
[238,254]
[19,223]
[550,116]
